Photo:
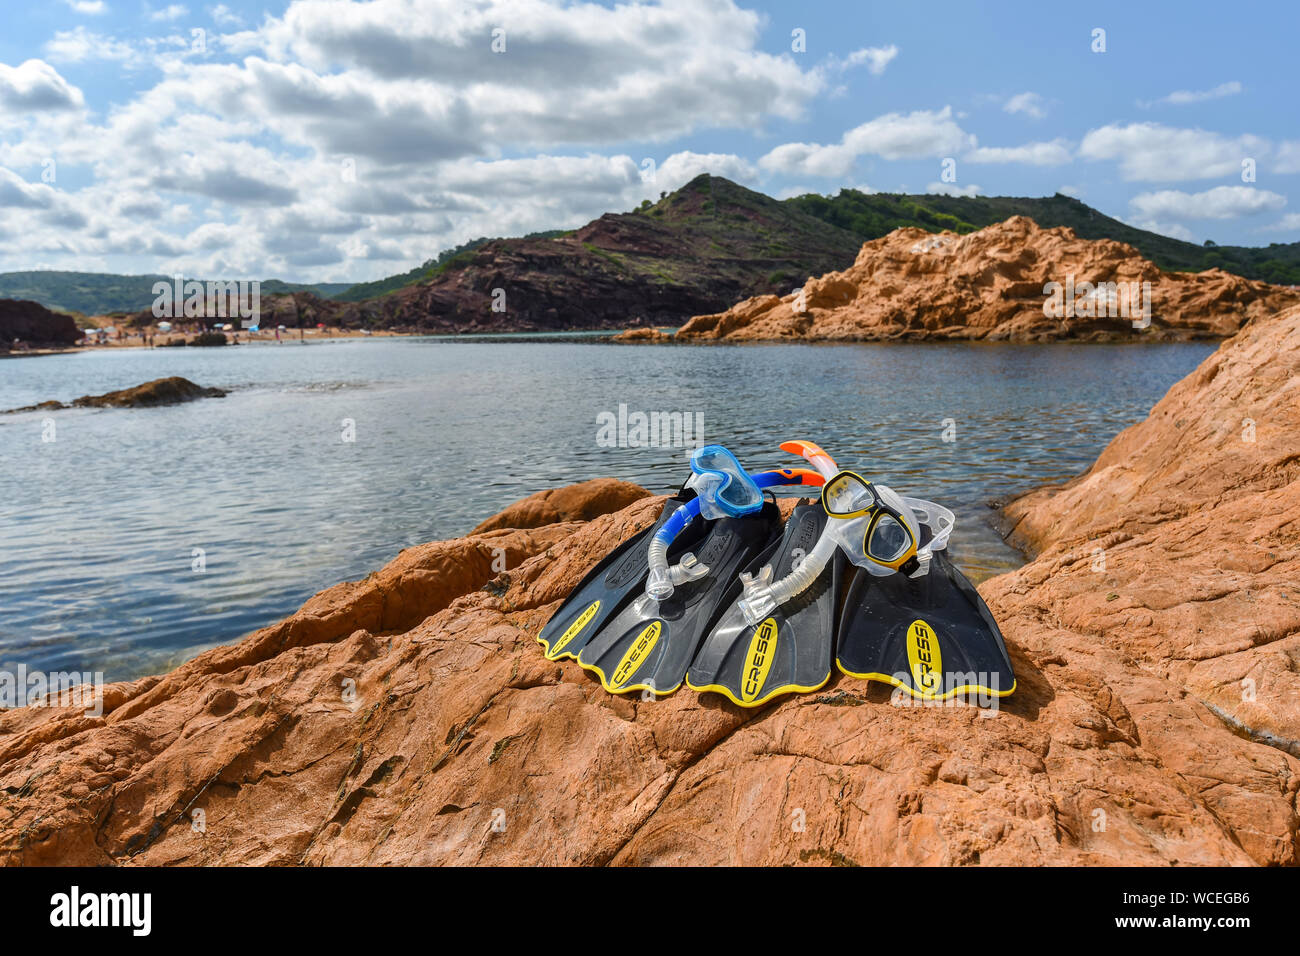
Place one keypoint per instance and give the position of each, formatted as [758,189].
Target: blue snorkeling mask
[724,488]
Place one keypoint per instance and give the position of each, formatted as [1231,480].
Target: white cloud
[1185,97]
[1031,104]
[34,86]
[224,16]
[1288,223]
[1287,159]
[952,189]
[876,58]
[1221,202]
[168,13]
[892,136]
[680,168]
[1074,192]
[1055,153]
[88,7]
[17,193]
[1153,153]
[1172,230]
[578,73]
[79,45]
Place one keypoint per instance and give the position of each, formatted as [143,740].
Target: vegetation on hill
[426,270]
[102,293]
[872,215]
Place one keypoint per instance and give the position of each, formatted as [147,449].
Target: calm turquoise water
[99,526]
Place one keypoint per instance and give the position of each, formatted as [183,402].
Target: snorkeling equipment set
[718,594]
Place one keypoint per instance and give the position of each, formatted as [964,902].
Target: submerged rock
[161,391]
[410,718]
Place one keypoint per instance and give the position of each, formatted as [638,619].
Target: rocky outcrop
[643,335]
[161,391]
[1173,562]
[580,502]
[990,285]
[411,718]
[31,324]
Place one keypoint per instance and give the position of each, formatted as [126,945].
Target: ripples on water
[99,526]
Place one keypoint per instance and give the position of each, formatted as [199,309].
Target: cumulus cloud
[892,136]
[88,7]
[1031,104]
[1152,152]
[35,86]
[680,168]
[1221,202]
[583,73]
[1055,153]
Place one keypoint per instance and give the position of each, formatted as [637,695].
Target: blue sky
[326,140]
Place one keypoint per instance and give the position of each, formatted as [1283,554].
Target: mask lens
[888,540]
[847,495]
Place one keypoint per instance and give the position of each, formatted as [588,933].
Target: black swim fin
[612,584]
[933,636]
[788,652]
[650,644]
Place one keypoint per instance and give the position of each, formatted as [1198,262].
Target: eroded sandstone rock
[989,284]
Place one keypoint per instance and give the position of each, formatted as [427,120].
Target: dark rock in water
[204,339]
[162,391]
[33,324]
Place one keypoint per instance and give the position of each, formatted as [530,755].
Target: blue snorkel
[723,489]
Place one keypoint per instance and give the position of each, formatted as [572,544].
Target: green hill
[100,293]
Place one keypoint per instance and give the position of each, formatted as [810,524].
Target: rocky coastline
[409,718]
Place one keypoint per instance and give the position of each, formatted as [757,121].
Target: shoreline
[611,337]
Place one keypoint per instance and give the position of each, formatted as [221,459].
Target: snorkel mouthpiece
[663,579]
[762,596]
